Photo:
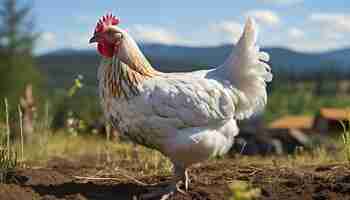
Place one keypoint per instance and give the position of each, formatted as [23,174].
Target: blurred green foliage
[17,40]
[300,98]
[75,103]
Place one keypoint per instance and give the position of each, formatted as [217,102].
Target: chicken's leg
[164,193]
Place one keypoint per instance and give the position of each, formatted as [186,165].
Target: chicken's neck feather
[122,74]
[117,80]
[131,55]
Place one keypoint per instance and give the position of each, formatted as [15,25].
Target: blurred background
[48,70]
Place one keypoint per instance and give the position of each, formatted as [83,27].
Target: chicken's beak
[92,40]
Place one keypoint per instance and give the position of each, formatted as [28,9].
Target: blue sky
[303,25]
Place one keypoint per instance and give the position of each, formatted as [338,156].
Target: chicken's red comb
[106,21]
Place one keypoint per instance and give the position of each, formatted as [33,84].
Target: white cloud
[295,33]
[153,34]
[47,41]
[79,40]
[232,30]
[308,38]
[337,22]
[315,45]
[48,37]
[320,32]
[266,17]
[282,2]
[331,35]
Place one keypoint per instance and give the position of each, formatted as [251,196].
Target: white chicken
[188,117]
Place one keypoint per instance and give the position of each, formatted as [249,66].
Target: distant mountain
[342,56]
[281,59]
[63,65]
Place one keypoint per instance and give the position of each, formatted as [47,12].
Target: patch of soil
[209,181]
[16,192]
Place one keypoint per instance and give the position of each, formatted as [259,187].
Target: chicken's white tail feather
[248,72]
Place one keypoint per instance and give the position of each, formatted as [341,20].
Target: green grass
[8,154]
[145,161]
[8,163]
[126,155]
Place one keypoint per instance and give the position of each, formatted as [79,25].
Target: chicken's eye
[114,34]
[109,33]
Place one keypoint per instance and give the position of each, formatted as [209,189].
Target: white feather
[248,72]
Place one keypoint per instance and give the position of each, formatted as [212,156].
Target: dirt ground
[63,179]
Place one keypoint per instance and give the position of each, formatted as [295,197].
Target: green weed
[241,190]
[346,137]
